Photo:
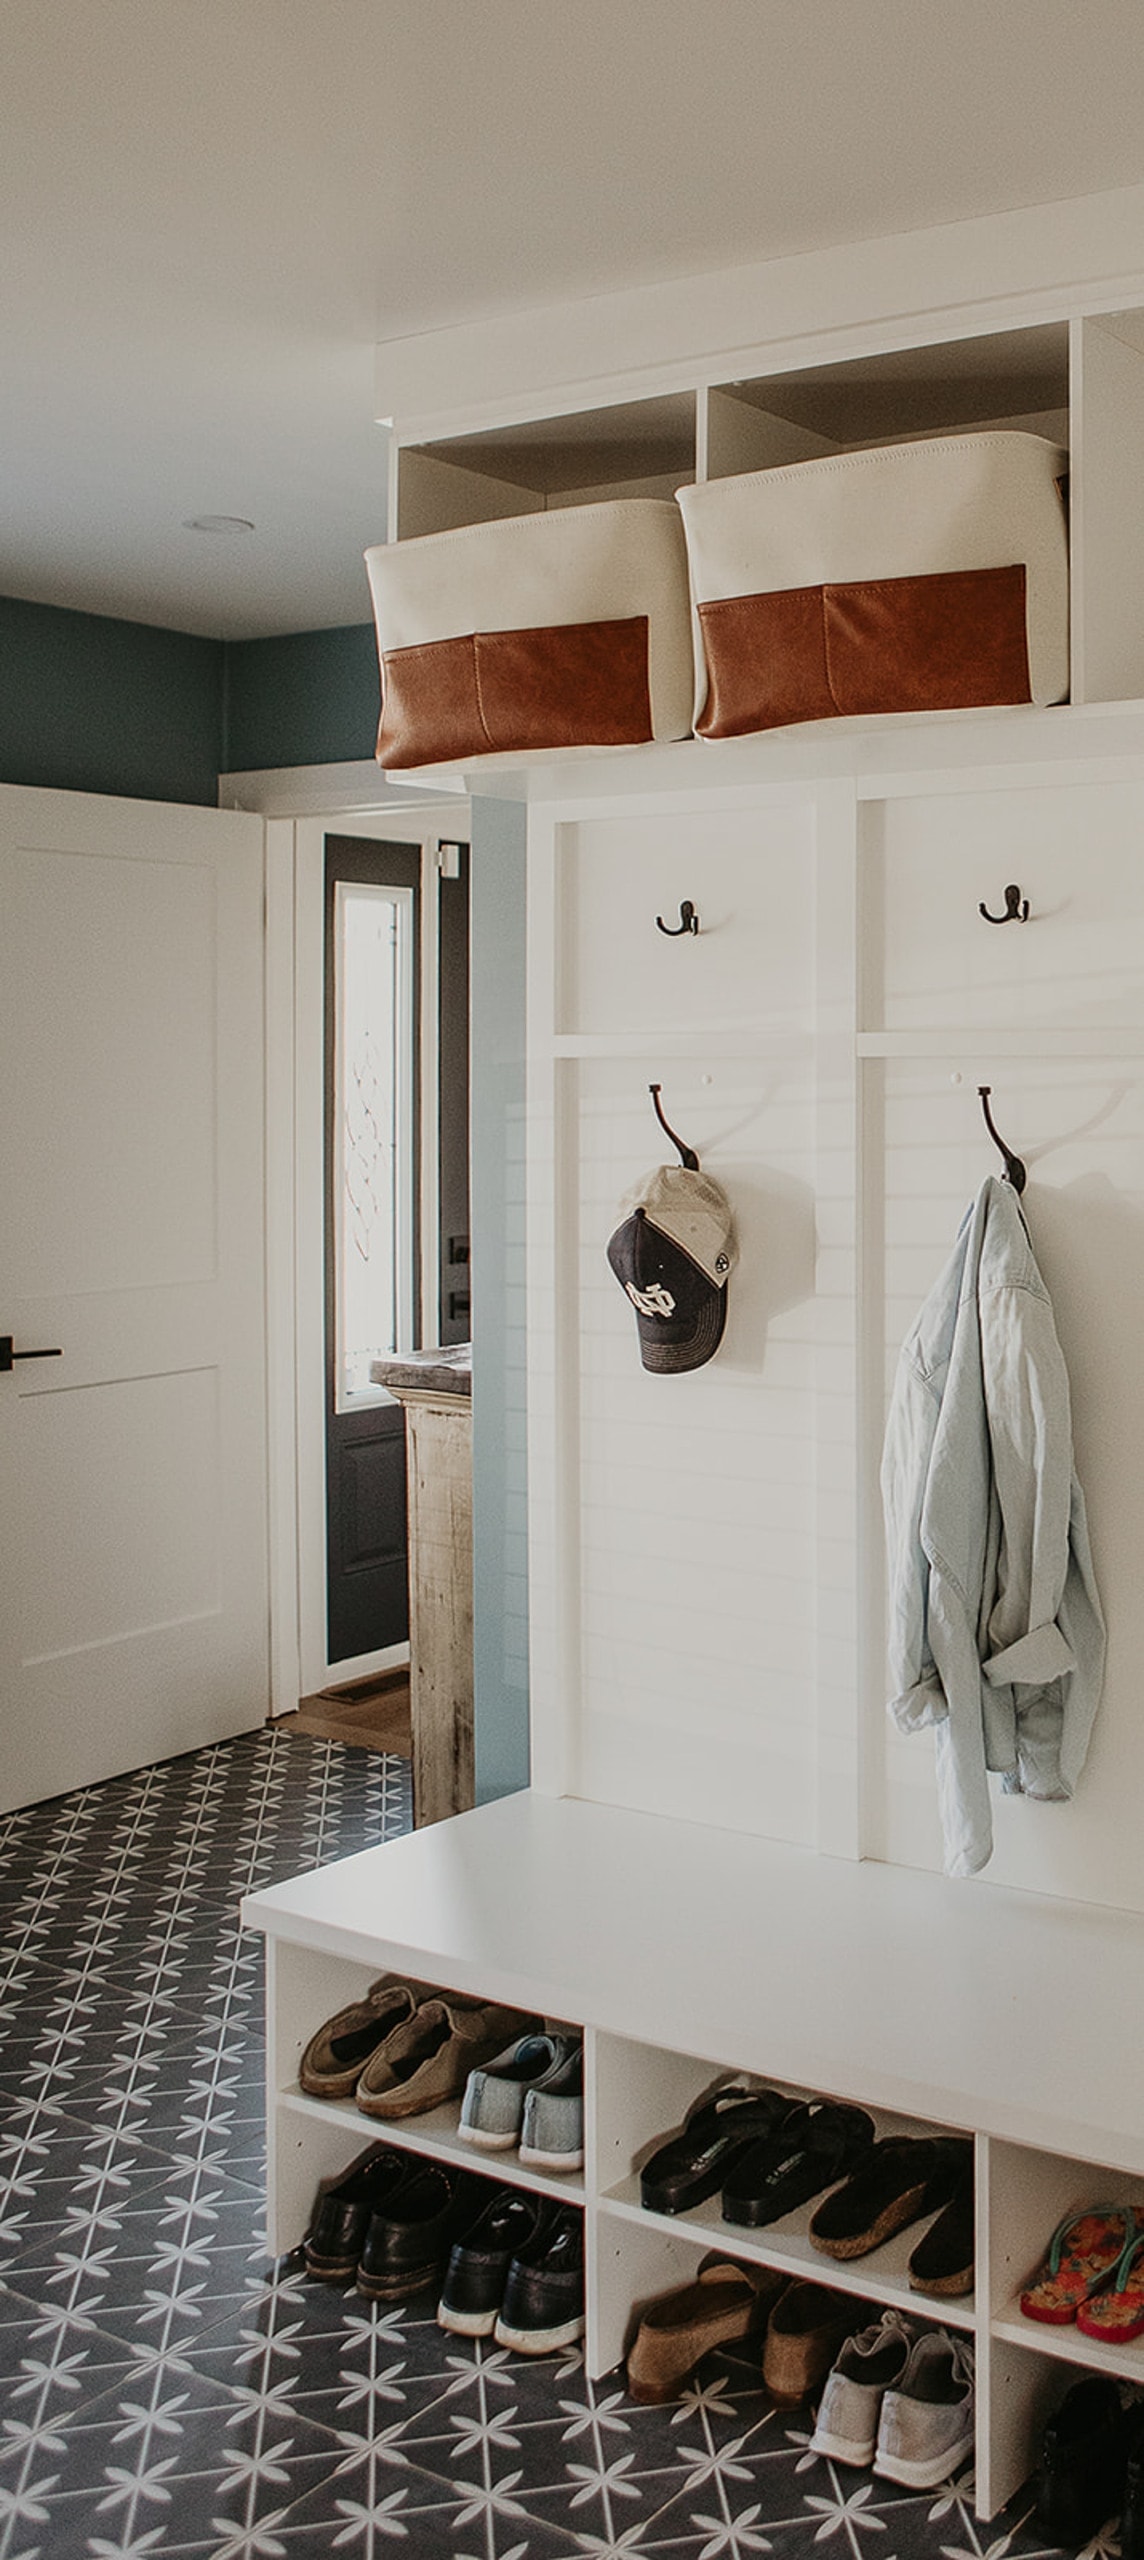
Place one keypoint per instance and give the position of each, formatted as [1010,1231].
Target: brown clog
[901,2179]
[725,2302]
[804,2332]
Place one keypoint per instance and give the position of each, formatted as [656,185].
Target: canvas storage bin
[925,576]
[570,629]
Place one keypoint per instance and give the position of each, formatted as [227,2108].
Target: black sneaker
[479,2262]
[1084,2452]
[543,2305]
[410,2235]
[342,2209]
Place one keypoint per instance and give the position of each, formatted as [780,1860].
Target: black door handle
[8,1356]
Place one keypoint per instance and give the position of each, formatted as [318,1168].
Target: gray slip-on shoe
[492,2109]
[552,2129]
[926,2427]
[868,2365]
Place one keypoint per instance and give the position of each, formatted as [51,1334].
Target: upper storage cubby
[633,449]
[1018,378]
[1077,381]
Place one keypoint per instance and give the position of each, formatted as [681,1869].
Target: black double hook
[1014,1169]
[688,921]
[1016,908]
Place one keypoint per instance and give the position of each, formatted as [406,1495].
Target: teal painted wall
[91,704]
[500,1456]
[88,703]
[311,697]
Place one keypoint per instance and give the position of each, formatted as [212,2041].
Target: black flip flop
[810,2150]
[687,2169]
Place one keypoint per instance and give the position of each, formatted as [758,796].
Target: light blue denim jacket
[996,1631]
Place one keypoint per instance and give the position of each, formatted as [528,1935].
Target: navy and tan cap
[672,1256]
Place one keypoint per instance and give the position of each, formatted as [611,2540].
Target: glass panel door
[374,1175]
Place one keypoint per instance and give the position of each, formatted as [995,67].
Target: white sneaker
[868,2365]
[926,2426]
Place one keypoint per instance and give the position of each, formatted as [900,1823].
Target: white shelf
[1003,1040]
[1068,2345]
[717,1040]
[435,2135]
[881,2276]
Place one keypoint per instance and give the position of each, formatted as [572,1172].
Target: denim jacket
[996,1631]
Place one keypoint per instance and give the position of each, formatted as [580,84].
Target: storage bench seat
[684,1951]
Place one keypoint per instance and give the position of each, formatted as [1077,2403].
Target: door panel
[133,1614]
[110,1005]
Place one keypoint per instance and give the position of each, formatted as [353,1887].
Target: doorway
[373,1137]
[378,1175]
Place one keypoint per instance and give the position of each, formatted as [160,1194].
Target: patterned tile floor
[167,2390]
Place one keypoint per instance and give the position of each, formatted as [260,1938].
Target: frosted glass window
[374,1170]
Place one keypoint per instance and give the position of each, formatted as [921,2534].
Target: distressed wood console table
[436,1389]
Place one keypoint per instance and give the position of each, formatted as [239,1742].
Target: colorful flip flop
[1085,2253]
[1118,2313]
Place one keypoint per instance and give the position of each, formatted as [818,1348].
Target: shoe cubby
[643,2097]
[1030,2193]
[316,2138]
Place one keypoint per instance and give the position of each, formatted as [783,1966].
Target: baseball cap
[672,1255]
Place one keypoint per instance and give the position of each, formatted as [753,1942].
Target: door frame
[295,1208]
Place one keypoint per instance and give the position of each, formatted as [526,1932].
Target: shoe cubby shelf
[881,2277]
[435,2135]
[544,1902]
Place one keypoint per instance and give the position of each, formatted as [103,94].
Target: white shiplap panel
[1072,849]
[748,872]
[698,1592]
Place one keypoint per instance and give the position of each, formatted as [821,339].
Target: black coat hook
[1016,908]
[687,1155]
[688,923]
[1014,1169]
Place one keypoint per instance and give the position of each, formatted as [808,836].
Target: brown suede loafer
[336,2056]
[430,2056]
[724,2303]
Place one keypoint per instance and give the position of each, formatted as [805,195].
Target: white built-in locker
[707,1562]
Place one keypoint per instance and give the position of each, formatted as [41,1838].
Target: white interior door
[133,1598]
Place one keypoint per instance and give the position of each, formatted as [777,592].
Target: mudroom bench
[687,1953]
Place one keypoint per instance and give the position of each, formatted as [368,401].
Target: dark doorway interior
[454,1322]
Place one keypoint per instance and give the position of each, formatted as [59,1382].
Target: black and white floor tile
[170,2394]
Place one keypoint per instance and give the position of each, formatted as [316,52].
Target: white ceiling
[212,209]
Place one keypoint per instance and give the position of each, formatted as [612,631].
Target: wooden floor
[374,1714]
